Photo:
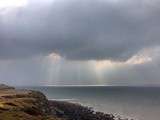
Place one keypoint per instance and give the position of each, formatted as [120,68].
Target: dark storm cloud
[80,29]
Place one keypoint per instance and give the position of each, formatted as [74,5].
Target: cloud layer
[81,29]
[80,42]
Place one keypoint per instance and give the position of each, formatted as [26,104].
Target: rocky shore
[32,105]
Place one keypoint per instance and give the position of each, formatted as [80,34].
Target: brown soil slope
[24,105]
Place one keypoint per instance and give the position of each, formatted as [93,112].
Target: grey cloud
[81,29]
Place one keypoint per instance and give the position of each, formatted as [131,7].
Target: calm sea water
[140,103]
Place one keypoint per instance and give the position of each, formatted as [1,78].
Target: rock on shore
[32,105]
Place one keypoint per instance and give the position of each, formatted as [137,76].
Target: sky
[80,42]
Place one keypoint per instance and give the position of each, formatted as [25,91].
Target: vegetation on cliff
[24,105]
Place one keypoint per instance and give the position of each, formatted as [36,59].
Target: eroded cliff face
[24,105]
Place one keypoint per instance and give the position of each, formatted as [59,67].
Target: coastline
[77,106]
[21,104]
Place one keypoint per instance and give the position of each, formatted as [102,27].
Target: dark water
[140,103]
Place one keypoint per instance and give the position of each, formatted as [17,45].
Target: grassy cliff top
[23,105]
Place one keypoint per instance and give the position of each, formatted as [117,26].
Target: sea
[138,103]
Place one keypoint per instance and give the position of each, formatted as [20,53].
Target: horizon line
[87,85]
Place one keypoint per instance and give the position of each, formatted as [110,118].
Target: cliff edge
[24,105]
